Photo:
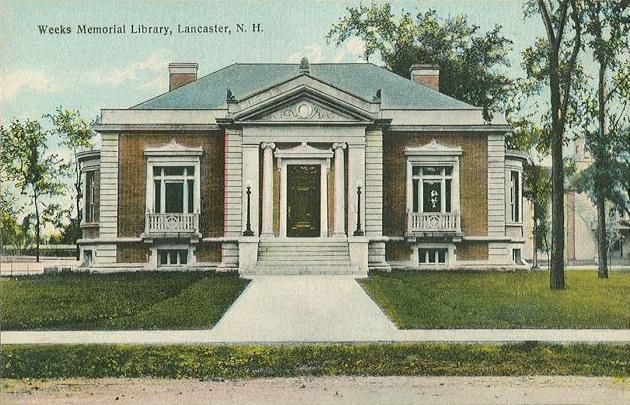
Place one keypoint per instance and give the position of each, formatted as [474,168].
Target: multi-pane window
[515,196]
[174,189]
[89,197]
[433,256]
[172,257]
[432,188]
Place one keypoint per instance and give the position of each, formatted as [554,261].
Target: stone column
[267,191]
[340,207]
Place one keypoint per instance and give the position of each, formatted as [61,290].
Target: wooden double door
[303,201]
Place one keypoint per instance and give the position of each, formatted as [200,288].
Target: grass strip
[502,300]
[132,300]
[221,361]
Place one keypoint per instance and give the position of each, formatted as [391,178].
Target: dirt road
[328,390]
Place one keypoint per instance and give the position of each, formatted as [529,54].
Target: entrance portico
[299,156]
[295,163]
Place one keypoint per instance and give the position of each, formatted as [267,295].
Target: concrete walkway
[296,309]
[307,308]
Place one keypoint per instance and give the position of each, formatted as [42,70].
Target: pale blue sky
[40,72]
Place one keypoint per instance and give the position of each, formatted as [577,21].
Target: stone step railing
[418,222]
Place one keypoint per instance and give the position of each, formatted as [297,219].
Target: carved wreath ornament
[303,111]
[172,222]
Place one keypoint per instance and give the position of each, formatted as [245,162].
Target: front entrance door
[303,200]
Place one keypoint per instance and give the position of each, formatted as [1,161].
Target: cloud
[355,47]
[316,53]
[13,82]
[152,64]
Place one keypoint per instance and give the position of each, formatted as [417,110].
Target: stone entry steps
[303,256]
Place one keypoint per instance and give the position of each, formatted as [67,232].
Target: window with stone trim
[173,189]
[89,199]
[432,188]
[172,257]
[516,197]
[435,256]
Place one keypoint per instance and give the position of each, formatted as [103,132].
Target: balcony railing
[172,223]
[422,222]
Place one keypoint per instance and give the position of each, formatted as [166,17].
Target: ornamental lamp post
[248,227]
[359,231]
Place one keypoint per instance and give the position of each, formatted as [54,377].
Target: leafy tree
[76,134]
[10,230]
[469,60]
[552,62]
[34,172]
[604,121]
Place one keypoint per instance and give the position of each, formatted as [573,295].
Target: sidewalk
[309,309]
[491,336]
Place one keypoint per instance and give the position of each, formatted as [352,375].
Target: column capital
[267,145]
[339,145]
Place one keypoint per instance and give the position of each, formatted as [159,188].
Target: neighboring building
[286,168]
[581,223]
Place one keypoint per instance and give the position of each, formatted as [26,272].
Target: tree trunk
[602,245]
[600,164]
[534,239]
[556,273]
[37,231]
[77,189]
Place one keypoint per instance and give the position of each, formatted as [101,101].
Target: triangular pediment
[304,109]
[434,148]
[303,100]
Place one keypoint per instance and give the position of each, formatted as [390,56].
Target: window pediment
[173,149]
[433,148]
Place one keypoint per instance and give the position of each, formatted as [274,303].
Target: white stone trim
[451,257]
[173,154]
[434,154]
[172,149]
[250,103]
[108,216]
[374,182]
[233,183]
[304,154]
[257,134]
[267,192]
[458,116]
[496,187]
[303,151]
[340,197]
[161,116]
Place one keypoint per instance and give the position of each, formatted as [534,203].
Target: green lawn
[441,300]
[209,361]
[142,300]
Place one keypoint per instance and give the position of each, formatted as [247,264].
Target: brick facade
[132,179]
[208,252]
[132,253]
[397,251]
[469,250]
[473,179]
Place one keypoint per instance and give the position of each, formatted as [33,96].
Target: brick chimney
[427,75]
[180,74]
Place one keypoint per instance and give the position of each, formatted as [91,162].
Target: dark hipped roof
[360,79]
